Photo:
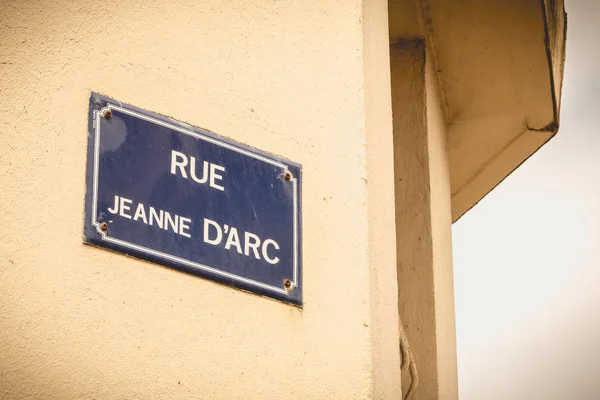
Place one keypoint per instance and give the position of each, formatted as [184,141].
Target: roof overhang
[499,66]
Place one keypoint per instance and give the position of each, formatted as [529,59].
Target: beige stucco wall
[380,201]
[441,233]
[287,77]
[423,220]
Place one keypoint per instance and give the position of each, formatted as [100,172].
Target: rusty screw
[287,284]
[107,114]
[104,227]
[287,176]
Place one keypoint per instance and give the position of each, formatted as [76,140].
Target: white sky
[527,257]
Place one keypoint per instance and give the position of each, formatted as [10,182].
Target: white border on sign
[169,257]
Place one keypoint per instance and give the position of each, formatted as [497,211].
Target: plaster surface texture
[423,221]
[290,78]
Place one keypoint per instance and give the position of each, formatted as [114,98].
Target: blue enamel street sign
[183,197]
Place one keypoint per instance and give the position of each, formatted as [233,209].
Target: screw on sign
[287,284]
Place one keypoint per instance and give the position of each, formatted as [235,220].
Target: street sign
[177,195]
